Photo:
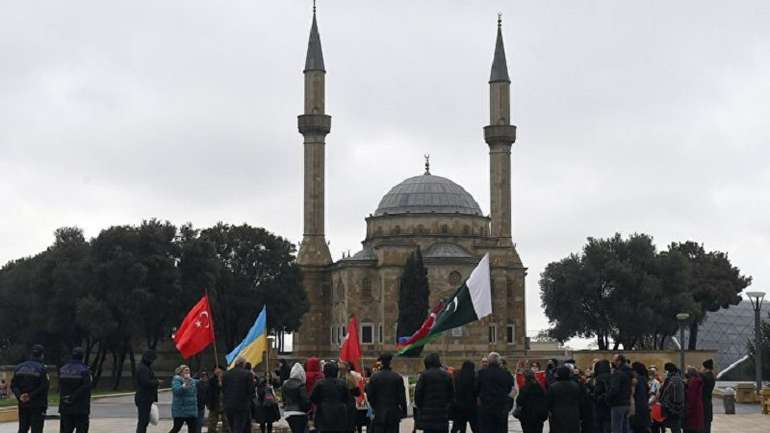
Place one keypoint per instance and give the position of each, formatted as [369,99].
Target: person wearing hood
[74,394]
[672,398]
[296,402]
[332,399]
[602,374]
[30,386]
[432,396]
[563,401]
[312,373]
[387,397]
[694,418]
[146,390]
[184,400]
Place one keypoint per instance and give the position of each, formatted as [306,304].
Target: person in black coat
[563,401]
[74,394]
[202,394]
[146,390]
[432,396]
[709,381]
[332,400]
[296,402]
[531,404]
[640,420]
[465,406]
[214,402]
[387,397]
[237,394]
[601,379]
[619,395]
[494,387]
[30,386]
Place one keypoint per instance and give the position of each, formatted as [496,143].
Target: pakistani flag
[471,302]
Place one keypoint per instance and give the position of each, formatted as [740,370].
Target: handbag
[657,414]
[154,414]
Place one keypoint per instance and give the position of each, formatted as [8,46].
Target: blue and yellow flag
[252,347]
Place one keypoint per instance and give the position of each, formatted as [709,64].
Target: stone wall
[584,358]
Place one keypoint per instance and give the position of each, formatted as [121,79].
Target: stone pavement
[746,423]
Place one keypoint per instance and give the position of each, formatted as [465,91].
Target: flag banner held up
[471,302]
[254,345]
[196,331]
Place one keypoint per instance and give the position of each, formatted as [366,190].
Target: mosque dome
[428,194]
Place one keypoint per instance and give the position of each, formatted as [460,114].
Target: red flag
[351,347]
[424,328]
[196,331]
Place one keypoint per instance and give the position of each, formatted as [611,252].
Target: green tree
[713,282]
[413,298]
[613,291]
[253,268]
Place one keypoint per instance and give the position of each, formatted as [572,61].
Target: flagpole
[213,330]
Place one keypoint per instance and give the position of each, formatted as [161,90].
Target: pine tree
[413,298]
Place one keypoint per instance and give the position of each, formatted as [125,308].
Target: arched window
[366,288]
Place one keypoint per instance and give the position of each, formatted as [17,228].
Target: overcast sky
[648,116]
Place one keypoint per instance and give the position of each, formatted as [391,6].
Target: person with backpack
[266,410]
[672,398]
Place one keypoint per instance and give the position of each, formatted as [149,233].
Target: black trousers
[460,424]
[143,416]
[531,426]
[31,418]
[297,423]
[240,421]
[191,421]
[385,428]
[493,420]
[73,422]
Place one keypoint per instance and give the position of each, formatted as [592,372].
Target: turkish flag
[351,347]
[196,331]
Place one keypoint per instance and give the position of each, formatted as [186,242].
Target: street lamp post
[682,318]
[756,302]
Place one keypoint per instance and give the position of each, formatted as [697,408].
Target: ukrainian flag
[254,345]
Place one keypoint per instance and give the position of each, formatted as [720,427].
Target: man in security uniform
[74,394]
[30,386]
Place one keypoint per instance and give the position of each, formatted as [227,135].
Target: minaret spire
[500,136]
[314,124]
[499,65]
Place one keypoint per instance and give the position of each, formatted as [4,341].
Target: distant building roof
[427,194]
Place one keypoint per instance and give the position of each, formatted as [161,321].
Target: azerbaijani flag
[471,302]
[255,343]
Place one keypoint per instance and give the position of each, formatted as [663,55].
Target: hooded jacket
[295,397]
[146,382]
[312,373]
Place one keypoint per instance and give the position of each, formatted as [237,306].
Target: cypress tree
[413,298]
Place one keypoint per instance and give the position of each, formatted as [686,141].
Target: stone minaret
[500,135]
[314,124]
[313,257]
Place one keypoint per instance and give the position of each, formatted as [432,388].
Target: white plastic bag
[154,414]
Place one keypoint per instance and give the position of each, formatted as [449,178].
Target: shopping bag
[154,414]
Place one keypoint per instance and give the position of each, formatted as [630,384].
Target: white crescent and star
[203,320]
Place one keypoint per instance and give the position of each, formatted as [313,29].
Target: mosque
[426,211]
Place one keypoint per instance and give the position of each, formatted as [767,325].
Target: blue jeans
[620,422]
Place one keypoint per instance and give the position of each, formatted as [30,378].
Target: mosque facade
[425,211]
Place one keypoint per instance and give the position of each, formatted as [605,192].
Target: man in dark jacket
[214,402]
[74,394]
[238,391]
[709,381]
[30,386]
[432,396]
[146,390]
[619,395]
[332,399]
[387,397]
[494,387]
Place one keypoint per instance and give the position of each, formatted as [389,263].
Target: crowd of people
[615,396]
